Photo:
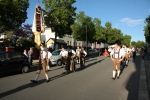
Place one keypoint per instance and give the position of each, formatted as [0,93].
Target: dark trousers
[134,55]
[63,60]
[30,60]
[82,61]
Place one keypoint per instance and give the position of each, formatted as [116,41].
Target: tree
[114,35]
[12,14]
[133,43]
[99,31]
[23,43]
[147,29]
[126,40]
[107,30]
[59,16]
[140,44]
[24,31]
[83,29]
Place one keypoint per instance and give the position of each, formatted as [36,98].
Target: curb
[143,93]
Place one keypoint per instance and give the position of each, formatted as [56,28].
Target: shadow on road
[132,84]
[89,65]
[31,85]
[20,88]
[123,67]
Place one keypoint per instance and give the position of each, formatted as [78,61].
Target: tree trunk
[55,41]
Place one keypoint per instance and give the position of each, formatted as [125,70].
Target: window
[70,42]
[4,56]
[67,42]
[15,55]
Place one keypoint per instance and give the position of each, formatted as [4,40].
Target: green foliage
[9,35]
[126,40]
[114,35]
[100,31]
[5,43]
[133,43]
[23,43]
[140,44]
[147,29]
[83,28]
[12,14]
[59,16]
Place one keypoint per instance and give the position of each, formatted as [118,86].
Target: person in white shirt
[78,54]
[70,66]
[63,53]
[117,55]
[126,56]
[109,50]
[25,53]
[130,52]
[82,57]
[49,55]
[42,63]
[134,52]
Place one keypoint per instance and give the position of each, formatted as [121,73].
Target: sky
[126,15]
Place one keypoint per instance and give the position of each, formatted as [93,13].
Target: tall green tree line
[147,29]
[86,27]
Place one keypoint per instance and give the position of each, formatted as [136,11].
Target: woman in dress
[78,54]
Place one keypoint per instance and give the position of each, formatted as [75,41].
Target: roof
[58,40]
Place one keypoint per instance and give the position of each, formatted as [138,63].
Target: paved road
[92,83]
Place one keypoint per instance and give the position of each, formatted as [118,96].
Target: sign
[38,18]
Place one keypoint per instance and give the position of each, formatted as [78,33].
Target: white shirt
[44,53]
[116,52]
[72,51]
[78,51]
[133,49]
[129,49]
[85,53]
[109,50]
[25,54]
[49,54]
[63,53]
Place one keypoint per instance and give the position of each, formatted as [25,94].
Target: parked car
[93,52]
[13,62]
[56,58]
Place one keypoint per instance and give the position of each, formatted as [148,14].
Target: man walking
[63,55]
[134,52]
[117,55]
[42,63]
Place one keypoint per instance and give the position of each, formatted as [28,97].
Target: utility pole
[86,38]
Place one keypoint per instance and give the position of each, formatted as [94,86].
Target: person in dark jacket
[82,57]
[70,66]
